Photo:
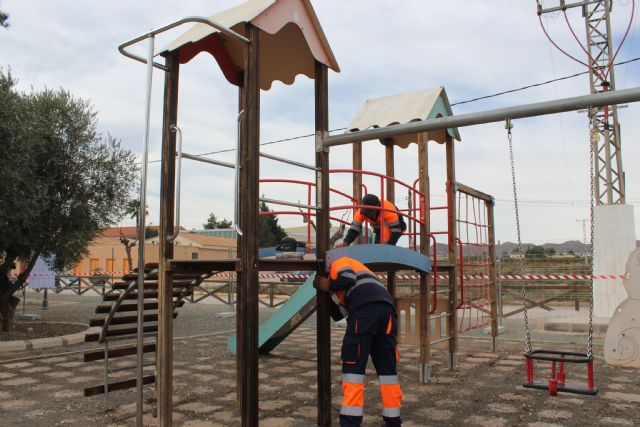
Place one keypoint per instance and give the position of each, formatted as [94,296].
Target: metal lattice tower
[605,128]
[606,144]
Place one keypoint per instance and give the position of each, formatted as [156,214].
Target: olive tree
[61,184]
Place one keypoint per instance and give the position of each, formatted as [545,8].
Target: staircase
[116,320]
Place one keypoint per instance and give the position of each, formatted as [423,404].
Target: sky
[383,47]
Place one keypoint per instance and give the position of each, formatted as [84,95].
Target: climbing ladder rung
[125,320]
[153,284]
[134,295]
[113,353]
[120,385]
[119,334]
[148,305]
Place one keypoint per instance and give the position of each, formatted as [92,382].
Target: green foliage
[4,18]
[535,251]
[150,233]
[213,223]
[224,223]
[269,232]
[60,182]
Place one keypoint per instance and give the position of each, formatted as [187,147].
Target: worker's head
[370,200]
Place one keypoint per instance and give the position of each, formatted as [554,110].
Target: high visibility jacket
[355,285]
[386,231]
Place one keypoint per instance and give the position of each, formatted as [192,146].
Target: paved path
[484,391]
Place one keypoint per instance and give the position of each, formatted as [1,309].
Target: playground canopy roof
[406,108]
[291,41]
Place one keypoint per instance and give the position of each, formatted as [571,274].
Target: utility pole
[584,238]
[612,221]
[609,185]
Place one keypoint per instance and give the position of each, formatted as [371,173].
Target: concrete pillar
[614,240]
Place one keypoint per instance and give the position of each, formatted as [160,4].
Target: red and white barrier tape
[550,276]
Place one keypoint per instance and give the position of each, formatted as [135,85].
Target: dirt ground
[484,390]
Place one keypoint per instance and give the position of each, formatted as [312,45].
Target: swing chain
[527,332]
[592,149]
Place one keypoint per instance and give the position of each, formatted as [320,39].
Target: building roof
[291,41]
[200,240]
[405,108]
[205,240]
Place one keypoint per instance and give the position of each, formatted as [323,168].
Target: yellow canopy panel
[291,41]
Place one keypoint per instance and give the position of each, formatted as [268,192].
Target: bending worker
[372,326]
[392,222]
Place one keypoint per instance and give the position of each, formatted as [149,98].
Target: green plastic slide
[283,322]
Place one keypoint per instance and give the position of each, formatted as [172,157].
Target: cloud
[383,47]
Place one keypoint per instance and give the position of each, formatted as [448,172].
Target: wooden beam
[322,245]
[492,271]
[240,308]
[452,319]
[390,170]
[164,354]
[390,196]
[423,208]
[357,178]
[120,385]
[249,185]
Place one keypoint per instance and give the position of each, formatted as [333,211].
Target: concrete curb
[49,342]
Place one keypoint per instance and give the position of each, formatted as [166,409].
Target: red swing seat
[557,383]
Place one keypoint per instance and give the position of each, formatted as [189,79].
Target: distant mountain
[571,245]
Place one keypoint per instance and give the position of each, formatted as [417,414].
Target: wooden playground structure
[255,44]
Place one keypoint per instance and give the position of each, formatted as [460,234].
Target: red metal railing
[309,213]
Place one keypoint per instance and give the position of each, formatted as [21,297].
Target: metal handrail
[210,161]
[116,305]
[167,27]
[290,162]
[176,231]
[285,203]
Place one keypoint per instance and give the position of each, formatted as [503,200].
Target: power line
[227,150]
[536,84]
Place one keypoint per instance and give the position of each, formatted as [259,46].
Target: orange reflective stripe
[389,325]
[397,355]
[353,394]
[391,395]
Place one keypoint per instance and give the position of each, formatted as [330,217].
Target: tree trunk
[8,308]
[128,244]
[8,302]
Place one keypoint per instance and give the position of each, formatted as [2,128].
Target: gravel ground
[485,389]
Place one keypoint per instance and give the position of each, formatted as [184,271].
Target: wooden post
[425,321]
[452,319]
[492,271]
[390,169]
[322,245]
[390,196]
[240,308]
[164,354]
[356,149]
[249,187]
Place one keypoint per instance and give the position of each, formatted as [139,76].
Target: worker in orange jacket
[387,231]
[372,326]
